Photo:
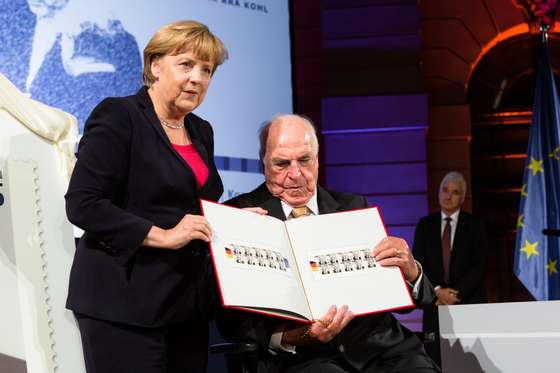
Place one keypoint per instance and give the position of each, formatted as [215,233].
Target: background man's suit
[363,344]
[467,265]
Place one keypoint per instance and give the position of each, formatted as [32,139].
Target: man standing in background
[451,244]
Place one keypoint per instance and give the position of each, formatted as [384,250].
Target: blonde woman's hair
[179,37]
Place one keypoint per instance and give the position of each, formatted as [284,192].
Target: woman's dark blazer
[128,178]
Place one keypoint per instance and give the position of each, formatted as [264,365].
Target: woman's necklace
[173,127]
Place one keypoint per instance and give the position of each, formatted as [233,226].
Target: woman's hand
[191,227]
[257,210]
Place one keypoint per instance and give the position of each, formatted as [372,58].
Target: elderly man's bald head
[286,119]
[289,150]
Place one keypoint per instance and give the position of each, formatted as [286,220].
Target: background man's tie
[446,248]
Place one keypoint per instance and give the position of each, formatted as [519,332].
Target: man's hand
[393,251]
[447,296]
[319,331]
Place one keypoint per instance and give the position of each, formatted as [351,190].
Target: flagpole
[544,38]
[544,33]
[551,232]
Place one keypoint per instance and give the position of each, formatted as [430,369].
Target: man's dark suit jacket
[367,342]
[467,265]
[127,178]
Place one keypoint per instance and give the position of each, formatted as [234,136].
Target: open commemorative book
[298,268]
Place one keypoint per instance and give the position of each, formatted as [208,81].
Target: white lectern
[500,337]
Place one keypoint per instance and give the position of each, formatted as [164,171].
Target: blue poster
[71,54]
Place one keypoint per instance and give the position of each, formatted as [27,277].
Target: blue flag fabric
[536,256]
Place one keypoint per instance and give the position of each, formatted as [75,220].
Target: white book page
[253,260]
[333,255]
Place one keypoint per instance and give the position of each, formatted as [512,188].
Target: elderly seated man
[337,342]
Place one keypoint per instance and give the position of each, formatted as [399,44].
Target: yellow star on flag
[551,266]
[530,248]
[524,191]
[555,154]
[520,221]
[535,166]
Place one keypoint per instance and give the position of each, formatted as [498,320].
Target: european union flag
[536,254]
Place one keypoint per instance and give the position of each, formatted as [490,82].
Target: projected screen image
[70,55]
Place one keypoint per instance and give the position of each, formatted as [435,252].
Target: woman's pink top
[191,156]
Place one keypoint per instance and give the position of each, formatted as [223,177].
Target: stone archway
[478,66]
